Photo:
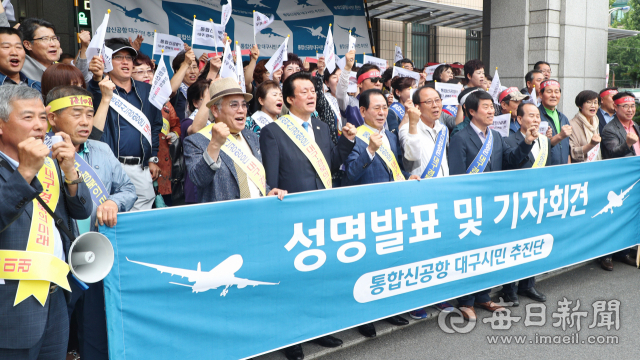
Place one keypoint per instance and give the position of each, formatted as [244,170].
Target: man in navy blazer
[287,167]
[364,165]
[528,115]
[214,172]
[30,330]
[464,147]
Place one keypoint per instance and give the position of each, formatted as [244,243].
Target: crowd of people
[299,128]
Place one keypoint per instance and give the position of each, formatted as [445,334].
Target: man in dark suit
[465,146]
[34,328]
[607,110]
[211,167]
[286,165]
[620,139]
[364,165]
[528,116]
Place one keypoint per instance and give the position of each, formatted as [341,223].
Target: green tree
[626,52]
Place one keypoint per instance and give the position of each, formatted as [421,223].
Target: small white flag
[381,63]
[341,62]
[429,70]
[239,68]
[226,13]
[352,42]
[494,90]
[398,54]
[107,55]
[353,82]
[533,98]
[171,45]
[398,71]
[329,52]
[204,33]
[96,46]
[8,9]
[501,124]
[260,22]
[161,86]
[228,68]
[277,58]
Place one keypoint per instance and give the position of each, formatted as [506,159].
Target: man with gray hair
[38,203]
[224,159]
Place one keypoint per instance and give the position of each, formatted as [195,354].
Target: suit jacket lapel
[229,163]
[475,139]
[254,145]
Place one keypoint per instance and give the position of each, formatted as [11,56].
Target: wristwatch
[74,182]
[153,159]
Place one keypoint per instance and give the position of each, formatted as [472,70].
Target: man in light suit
[463,149]
[287,167]
[217,176]
[30,330]
[620,139]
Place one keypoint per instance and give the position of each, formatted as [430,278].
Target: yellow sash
[247,162]
[165,126]
[541,159]
[309,148]
[384,152]
[37,267]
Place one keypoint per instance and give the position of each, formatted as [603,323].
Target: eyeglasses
[375,80]
[123,57]
[143,72]
[48,39]
[430,102]
[626,107]
[592,102]
[235,105]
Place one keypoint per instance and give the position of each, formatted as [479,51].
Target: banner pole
[193,31]
[254,29]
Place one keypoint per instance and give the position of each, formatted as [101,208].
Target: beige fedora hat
[224,87]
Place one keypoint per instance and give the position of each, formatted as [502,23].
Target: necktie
[305,125]
[242,177]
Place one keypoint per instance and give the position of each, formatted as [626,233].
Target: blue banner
[260,274]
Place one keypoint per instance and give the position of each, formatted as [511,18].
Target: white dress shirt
[419,147]
[300,121]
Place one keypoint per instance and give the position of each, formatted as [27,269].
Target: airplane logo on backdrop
[314,32]
[615,200]
[269,31]
[304,3]
[353,31]
[188,21]
[221,275]
[134,13]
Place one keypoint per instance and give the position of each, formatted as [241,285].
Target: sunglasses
[375,80]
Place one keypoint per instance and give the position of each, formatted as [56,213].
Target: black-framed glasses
[48,39]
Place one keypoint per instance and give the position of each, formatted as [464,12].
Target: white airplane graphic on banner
[314,32]
[615,200]
[221,275]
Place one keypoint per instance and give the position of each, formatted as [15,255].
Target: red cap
[507,92]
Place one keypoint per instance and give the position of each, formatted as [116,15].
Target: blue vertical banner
[240,278]
[307,21]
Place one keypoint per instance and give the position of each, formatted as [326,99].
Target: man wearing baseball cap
[620,139]
[550,94]
[214,156]
[509,100]
[133,124]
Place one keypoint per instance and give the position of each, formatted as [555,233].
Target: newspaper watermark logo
[568,316]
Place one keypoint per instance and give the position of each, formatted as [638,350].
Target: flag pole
[254,29]
[193,31]
[215,35]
